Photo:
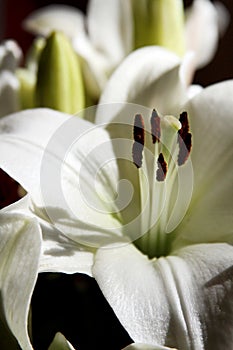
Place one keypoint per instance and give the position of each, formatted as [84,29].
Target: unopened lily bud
[27,83]
[159,22]
[59,79]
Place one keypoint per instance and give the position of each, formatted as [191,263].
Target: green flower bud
[27,82]
[59,79]
[159,22]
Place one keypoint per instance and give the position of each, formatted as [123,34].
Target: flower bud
[159,22]
[59,79]
[27,83]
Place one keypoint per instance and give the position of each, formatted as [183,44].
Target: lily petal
[139,346]
[20,246]
[96,67]
[209,217]
[117,41]
[24,136]
[63,18]
[183,300]
[10,55]
[202,31]
[59,254]
[64,163]
[134,291]
[60,343]
[142,78]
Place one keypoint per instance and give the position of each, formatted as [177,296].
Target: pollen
[162,168]
[155,126]
[139,139]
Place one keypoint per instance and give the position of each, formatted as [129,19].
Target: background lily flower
[173,289]
[10,56]
[51,77]
[112,28]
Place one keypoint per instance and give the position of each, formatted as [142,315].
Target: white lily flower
[107,34]
[10,56]
[173,285]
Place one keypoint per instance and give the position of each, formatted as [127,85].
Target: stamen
[155,126]
[184,139]
[138,134]
[184,124]
[185,149]
[162,168]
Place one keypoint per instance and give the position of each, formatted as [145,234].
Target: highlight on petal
[182,301]
[20,245]
[147,76]
[202,31]
[60,343]
[63,18]
[209,217]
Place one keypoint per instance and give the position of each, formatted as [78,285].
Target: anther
[184,124]
[162,168]
[155,126]
[138,134]
[185,149]
[184,139]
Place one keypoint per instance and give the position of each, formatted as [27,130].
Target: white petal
[20,246]
[110,26]
[96,66]
[209,217]
[139,346]
[133,288]
[10,55]
[210,266]
[55,17]
[9,93]
[23,137]
[22,206]
[59,254]
[68,166]
[202,31]
[108,41]
[78,182]
[223,17]
[148,76]
[177,301]
[194,90]
[60,343]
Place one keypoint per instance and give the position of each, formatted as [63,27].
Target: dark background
[73,304]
